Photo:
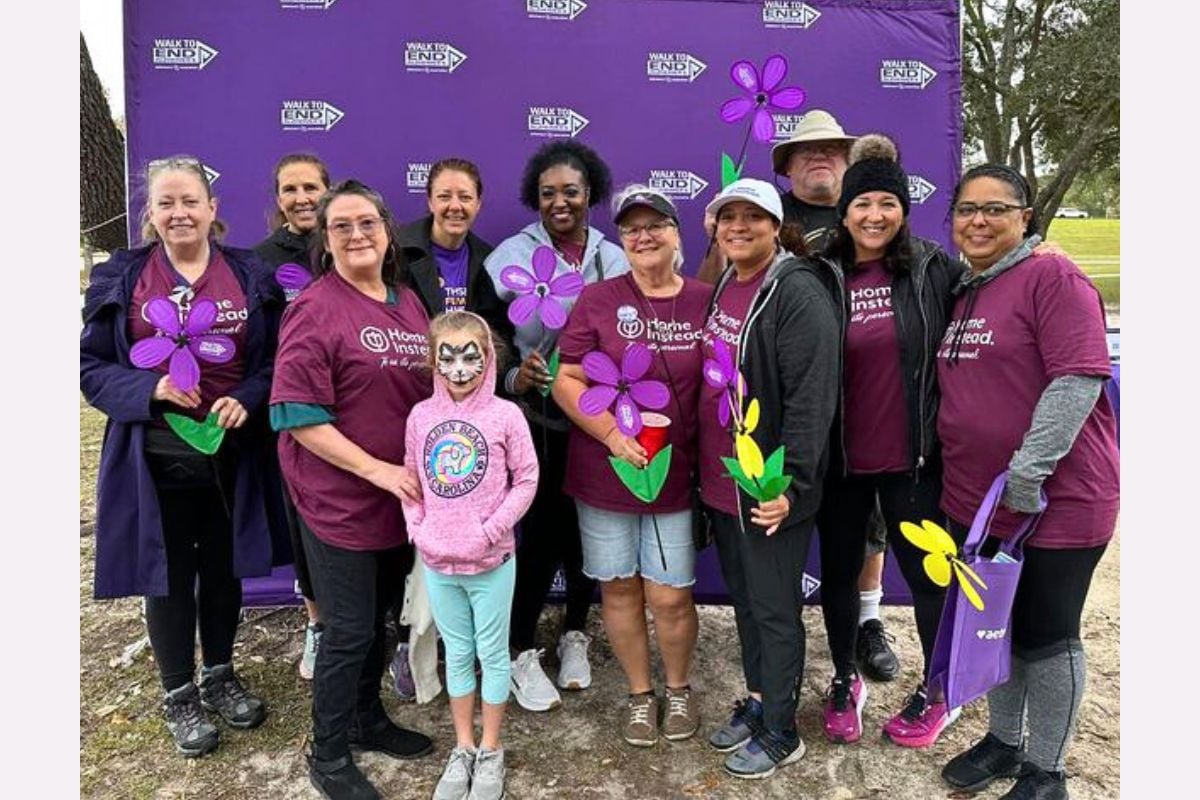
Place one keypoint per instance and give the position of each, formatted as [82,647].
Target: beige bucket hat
[817,125]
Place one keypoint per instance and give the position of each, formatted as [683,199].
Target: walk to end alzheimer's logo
[919,189]
[788,14]
[785,126]
[432,57]
[554,9]
[211,174]
[976,336]
[182,54]
[673,67]
[309,115]
[677,183]
[555,121]
[307,5]
[416,176]
[905,73]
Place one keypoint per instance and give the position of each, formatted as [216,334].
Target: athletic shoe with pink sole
[920,723]
[842,712]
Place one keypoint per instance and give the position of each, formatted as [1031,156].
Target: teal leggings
[472,612]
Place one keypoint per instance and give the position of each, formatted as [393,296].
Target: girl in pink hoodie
[474,456]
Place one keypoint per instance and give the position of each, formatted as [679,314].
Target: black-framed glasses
[990,210]
[655,229]
[343,230]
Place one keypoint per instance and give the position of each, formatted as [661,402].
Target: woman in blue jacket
[169,517]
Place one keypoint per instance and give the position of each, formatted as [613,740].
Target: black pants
[299,559]
[842,524]
[198,535]
[549,537]
[356,589]
[1048,608]
[763,576]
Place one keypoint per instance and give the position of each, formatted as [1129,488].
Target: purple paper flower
[182,338]
[623,385]
[721,373]
[539,291]
[764,95]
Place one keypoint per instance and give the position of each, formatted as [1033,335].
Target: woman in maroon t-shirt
[1022,368]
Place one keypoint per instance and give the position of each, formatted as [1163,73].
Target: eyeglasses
[368,227]
[990,210]
[655,229]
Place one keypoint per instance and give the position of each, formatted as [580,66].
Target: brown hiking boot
[682,715]
[641,726]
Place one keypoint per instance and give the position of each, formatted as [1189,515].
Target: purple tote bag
[972,653]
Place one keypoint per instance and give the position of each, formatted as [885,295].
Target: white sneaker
[531,687]
[574,671]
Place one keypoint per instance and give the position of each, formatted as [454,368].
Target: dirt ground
[574,751]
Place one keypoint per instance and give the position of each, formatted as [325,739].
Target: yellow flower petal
[972,596]
[749,456]
[962,565]
[937,568]
[918,536]
[752,416]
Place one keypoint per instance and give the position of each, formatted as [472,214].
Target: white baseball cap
[750,190]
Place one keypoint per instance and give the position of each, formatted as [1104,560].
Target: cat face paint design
[460,364]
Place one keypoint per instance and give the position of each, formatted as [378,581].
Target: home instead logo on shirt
[870,303]
[390,342]
[976,336]
[182,54]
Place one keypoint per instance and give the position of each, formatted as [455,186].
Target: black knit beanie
[874,167]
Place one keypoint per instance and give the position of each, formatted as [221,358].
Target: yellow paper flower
[750,457]
[943,558]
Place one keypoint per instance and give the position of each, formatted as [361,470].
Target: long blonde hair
[178,163]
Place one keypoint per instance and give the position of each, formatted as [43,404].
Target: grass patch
[1095,245]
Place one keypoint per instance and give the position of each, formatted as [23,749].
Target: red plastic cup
[653,436]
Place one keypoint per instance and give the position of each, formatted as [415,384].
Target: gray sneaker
[194,734]
[746,721]
[455,782]
[641,726]
[487,782]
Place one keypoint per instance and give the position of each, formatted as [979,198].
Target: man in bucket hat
[814,160]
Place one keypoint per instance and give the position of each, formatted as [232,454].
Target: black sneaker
[388,737]
[340,779]
[222,692]
[988,760]
[194,734]
[875,656]
[1037,784]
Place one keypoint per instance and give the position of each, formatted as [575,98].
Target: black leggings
[299,559]
[549,537]
[842,525]
[198,536]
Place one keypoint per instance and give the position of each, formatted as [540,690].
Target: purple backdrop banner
[381,89]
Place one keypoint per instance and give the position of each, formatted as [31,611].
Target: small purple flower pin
[623,385]
[293,278]
[181,337]
[721,373]
[764,95]
[539,291]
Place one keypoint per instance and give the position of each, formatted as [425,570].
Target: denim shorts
[620,545]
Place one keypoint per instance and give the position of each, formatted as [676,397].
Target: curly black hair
[576,155]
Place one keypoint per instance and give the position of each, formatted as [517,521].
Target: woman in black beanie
[893,293]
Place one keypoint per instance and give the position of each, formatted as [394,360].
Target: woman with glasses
[893,295]
[351,365]
[1022,367]
[561,181]
[176,523]
[641,553]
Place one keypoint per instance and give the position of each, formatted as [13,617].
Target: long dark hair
[1015,180]
[395,268]
[897,256]
[275,216]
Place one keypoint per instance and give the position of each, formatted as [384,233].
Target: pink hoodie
[478,473]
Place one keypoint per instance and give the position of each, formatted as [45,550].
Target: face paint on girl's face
[460,360]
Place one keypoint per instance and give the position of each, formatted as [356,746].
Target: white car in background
[1066,212]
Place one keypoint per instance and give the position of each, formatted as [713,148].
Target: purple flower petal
[568,284]
[152,351]
[773,72]
[554,316]
[764,125]
[214,349]
[788,98]
[723,411]
[635,361]
[292,276]
[544,263]
[521,309]
[629,419]
[714,376]
[736,109]
[184,371]
[724,358]
[517,279]
[745,75]
[650,394]
[599,368]
[596,400]
[201,317]
[164,315]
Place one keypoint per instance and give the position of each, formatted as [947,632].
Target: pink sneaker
[842,711]
[920,723]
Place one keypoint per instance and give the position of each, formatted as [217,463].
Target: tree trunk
[101,163]
[1051,197]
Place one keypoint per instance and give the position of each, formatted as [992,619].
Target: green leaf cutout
[645,484]
[204,436]
[551,367]
[730,172]
[775,486]
[741,478]
[774,464]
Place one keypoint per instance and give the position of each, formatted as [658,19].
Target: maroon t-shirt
[1038,321]
[219,284]
[365,361]
[609,316]
[717,489]
[876,418]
